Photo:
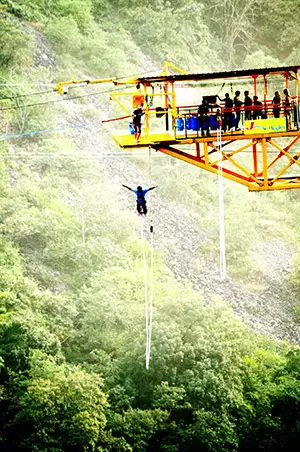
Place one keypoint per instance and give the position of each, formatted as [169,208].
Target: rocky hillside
[177,232]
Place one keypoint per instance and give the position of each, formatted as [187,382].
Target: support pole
[255,84]
[265,160]
[254,152]
[265,94]
[173,107]
[146,112]
[166,89]
[206,157]
[296,109]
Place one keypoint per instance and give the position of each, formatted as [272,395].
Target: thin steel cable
[64,99]
[28,84]
[28,95]
[43,131]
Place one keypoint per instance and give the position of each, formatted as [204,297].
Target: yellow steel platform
[127,141]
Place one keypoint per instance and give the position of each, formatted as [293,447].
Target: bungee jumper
[141,204]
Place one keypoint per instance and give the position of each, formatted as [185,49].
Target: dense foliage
[72,372]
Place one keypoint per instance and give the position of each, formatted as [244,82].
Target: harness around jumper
[141,203]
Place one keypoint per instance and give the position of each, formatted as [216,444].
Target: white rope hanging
[221,207]
[151,268]
[145,293]
[148,291]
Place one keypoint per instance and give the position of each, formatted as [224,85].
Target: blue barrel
[212,122]
[131,129]
[179,124]
[233,120]
[195,123]
[188,123]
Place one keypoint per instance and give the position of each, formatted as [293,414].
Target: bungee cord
[145,293]
[151,266]
[221,208]
[148,290]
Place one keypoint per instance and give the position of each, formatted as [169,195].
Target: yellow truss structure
[259,163]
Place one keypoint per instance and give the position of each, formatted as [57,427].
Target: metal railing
[189,123]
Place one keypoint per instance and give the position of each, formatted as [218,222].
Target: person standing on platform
[237,108]
[218,119]
[248,104]
[276,104]
[287,102]
[227,123]
[257,108]
[204,118]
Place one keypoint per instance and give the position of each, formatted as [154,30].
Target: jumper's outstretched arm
[127,187]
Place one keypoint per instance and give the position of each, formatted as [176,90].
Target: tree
[233,23]
[73,401]
[15,49]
